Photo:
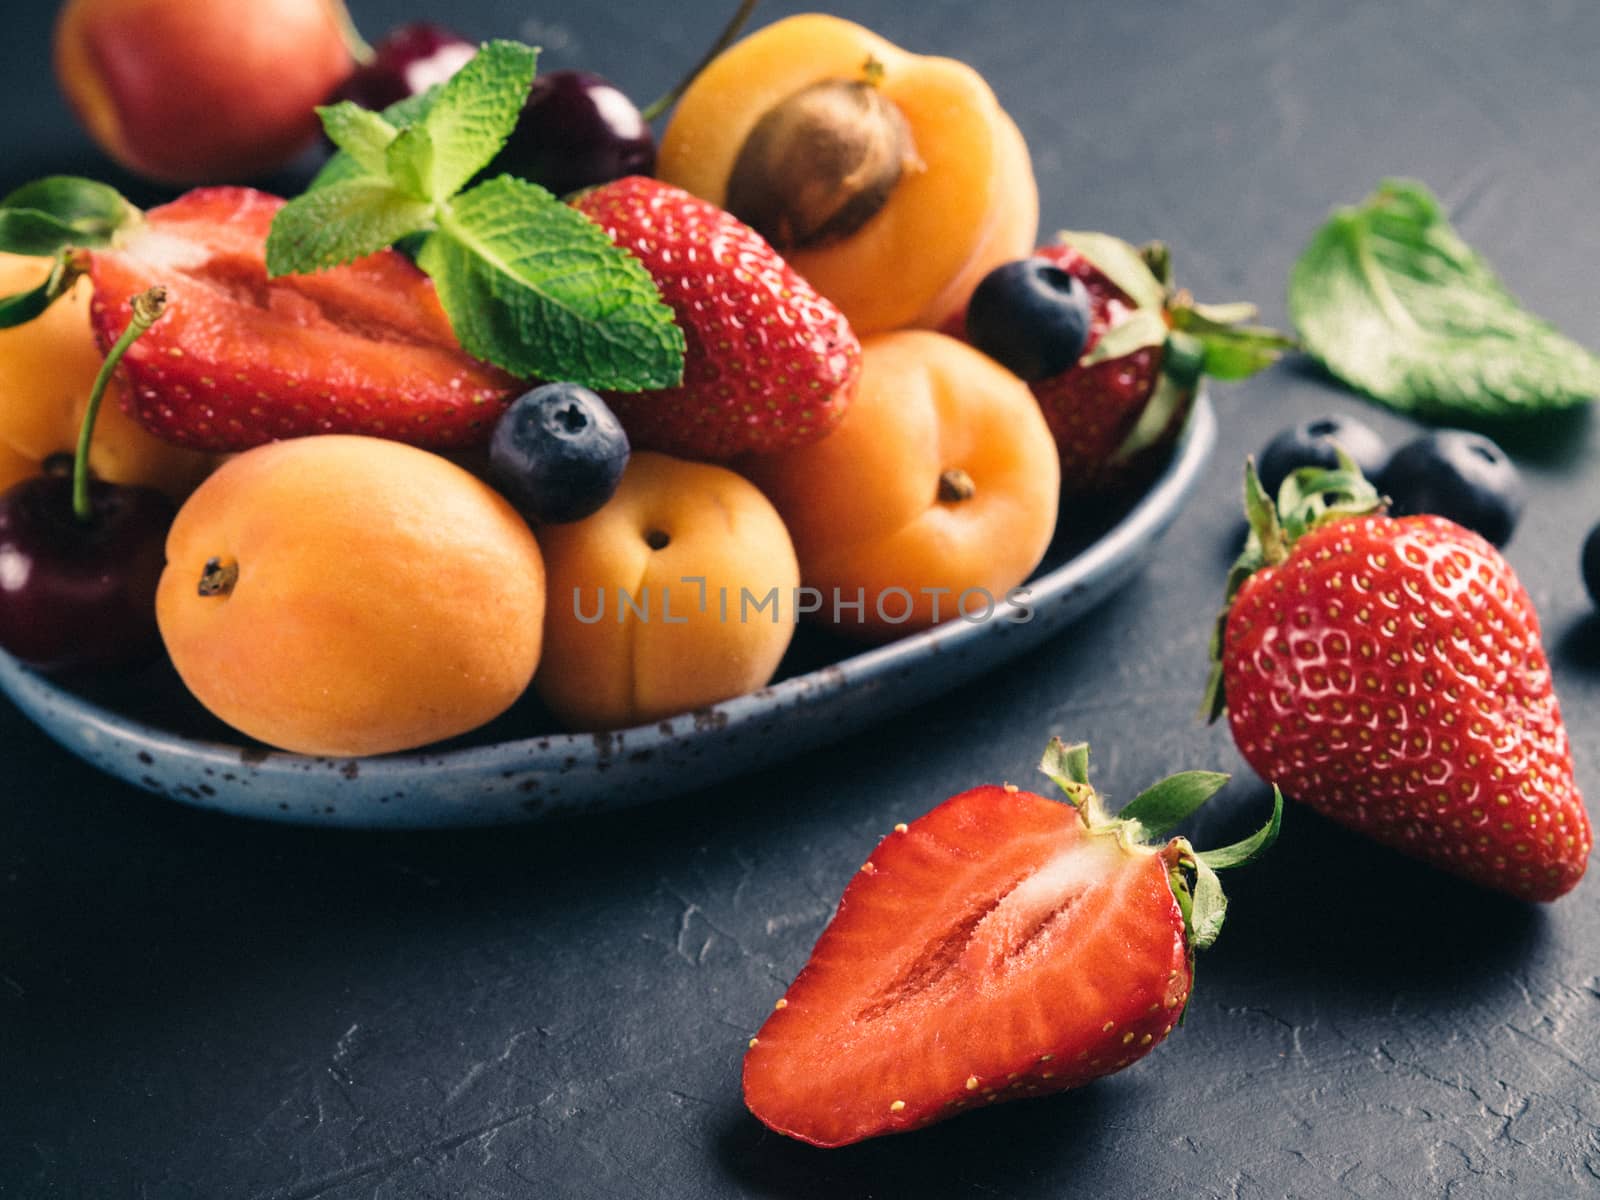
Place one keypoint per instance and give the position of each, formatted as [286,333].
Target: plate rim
[36,694]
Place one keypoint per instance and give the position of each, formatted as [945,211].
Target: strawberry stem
[147,309]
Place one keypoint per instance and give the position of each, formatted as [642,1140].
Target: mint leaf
[475,112]
[1394,303]
[361,133]
[409,162]
[536,288]
[341,223]
[400,115]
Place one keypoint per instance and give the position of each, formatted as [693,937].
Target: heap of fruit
[807,360]
[752,422]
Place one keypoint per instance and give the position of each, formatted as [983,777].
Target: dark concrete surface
[198,1007]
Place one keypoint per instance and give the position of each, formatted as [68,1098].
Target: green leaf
[361,133]
[1120,263]
[1067,766]
[1251,848]
[536,288]
[1162,806]
[1142,327]
[400,115]
[339,224]
[23,307]
[93,211]
[1394,303]
[1207,908]
[409,162]
[475,112]
[28,231]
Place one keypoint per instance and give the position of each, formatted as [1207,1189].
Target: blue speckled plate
[146,729]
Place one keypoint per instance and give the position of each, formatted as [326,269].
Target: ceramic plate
[146,729]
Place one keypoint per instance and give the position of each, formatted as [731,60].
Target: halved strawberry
[241,359]
[1004,945]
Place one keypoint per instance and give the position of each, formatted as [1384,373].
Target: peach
[200,91]
[47,369]
[343,595]
[934,497]
[892,181]
[678,593]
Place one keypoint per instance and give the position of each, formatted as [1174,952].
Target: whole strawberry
[1120,405]
[241,359]
[1004,945]
[769,363]
[1390,674]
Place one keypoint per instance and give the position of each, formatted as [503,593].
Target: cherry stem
[729,31]
[147,309]
[360,49]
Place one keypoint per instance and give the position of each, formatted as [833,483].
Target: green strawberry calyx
[1155,812]
[1195,339]
[1309,499]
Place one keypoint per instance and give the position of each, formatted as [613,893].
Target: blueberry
[1591,564]
[558,453]
[1459,475]
[1311,444]
[1031,317]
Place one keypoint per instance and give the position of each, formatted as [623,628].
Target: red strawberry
[240,359]
[769,363]
[1120,409]
[1002,946]
[1390,674]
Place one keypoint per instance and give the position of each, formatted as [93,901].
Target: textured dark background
[193,1006]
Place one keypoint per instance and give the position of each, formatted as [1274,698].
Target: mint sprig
[529,283]
[1394,303]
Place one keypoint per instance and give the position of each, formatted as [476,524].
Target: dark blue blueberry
[1459,475]
[1031,317]
[1591,564]
[558,453]
[1311,444]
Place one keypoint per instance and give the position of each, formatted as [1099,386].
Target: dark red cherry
[576,131]
[409,60]
[80,593]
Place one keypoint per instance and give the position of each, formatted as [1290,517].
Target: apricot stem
[360,49]
[218,577]
[147,309]
[729,31]
[955,485]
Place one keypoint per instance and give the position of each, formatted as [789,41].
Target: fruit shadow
[1579,643]
[1553,439]
[954,1158]
[1356,923]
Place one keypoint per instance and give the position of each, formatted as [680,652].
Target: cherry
[80,593]
[407,61]
[80,559]
[577,130]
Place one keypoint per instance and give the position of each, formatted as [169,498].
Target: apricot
[933,498]
[892,181]
[678,593]
[199,91]
[47,369]
[343,595]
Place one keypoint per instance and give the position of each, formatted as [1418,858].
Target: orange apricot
[933,498]
[47,369]
[677,594]
[199,91]
[344,595]
[892,181]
